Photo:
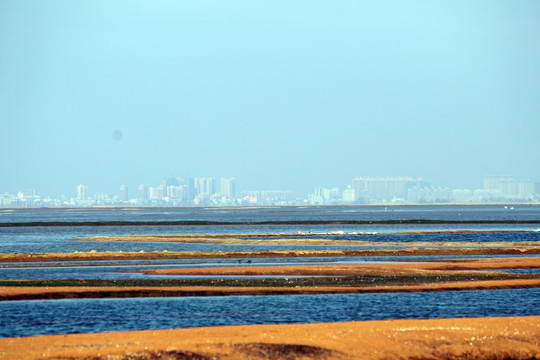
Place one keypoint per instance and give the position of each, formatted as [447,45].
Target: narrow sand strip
[313,239]
[356,269]
[73,292]
[167,255]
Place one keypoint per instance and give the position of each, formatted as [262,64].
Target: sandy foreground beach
[476,338]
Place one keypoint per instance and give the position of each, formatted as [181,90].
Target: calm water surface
[259,214]
[24,318]
[56,239]
[27,318]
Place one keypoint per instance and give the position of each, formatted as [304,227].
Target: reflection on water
[37,317]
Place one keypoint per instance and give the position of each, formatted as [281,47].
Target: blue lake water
[25,318]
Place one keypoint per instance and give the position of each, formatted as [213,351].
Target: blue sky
[279,94]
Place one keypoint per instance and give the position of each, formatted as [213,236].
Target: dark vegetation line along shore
[156,255]
[79,289]
[248,223]
[285,281]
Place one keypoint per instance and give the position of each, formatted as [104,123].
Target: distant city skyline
[104,187]
[289,95]
[224,191]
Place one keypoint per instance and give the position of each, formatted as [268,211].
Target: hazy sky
[279,94]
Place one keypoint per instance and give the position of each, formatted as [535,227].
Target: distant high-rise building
[462,195]
[349,195]
[82,192]
[153,193]
[322,196]
[172,192]
[210,186]
[161,192]
[197,186]
[503,186]
[124,193]
[182,193]
[143,193]
[384,189]
[101,198]
[200,185]
[189,191]
[526,189]
[276,195]
[206,186]
[30,193]
[228,188]
[330,194]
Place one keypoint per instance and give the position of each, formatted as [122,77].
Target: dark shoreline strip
[248,223]
[207,292]
[44,257]
[285,281]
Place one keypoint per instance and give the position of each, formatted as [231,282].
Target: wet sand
[476,338]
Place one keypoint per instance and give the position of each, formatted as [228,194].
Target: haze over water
[279,95]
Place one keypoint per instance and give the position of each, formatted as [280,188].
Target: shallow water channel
[45,317]
[128,269]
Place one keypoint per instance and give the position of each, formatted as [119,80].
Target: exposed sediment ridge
[315,239]
[164,255]
[418,268]
[319,279]
[463,338]
[95,292]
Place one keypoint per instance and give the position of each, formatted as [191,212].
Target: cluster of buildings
[370,190]
[209,191]
[206,191]
[174,191]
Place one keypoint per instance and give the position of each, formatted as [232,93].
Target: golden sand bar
[391,278]
[475,338]
[356,269]
[79,292]
[164,255]
[314,239]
